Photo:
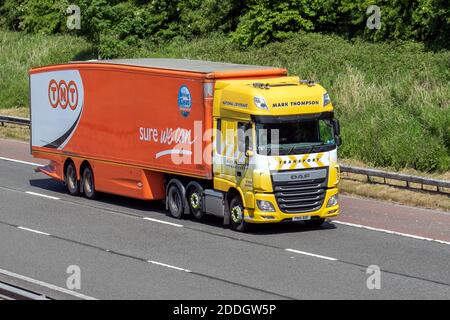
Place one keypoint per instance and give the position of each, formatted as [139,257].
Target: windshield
[304,136]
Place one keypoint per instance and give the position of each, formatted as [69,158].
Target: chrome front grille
[300,196]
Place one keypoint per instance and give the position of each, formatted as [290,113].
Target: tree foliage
[114,25]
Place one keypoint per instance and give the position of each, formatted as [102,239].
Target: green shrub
[118,27]
[34,16]
[273,20]
[267,21]
[10,14]
[253,22]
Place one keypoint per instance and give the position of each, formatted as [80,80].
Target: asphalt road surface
[130,249]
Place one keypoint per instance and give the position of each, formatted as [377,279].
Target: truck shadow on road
[144,208]
[102,200]
[48,185]
[265,229]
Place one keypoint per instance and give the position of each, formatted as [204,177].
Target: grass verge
[19,52]
[395,191]
[12,131]
[424,199]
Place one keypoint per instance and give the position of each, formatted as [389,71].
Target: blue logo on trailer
[184,101]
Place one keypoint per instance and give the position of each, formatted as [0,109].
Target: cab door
[244,157]
[225,149]
[233,155]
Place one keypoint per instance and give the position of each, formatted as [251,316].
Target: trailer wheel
[71,180]
[237,214]
[194,198]
[175,202]
[88,183]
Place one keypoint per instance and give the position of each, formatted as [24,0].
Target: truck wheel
[175,202]
[71,180]
[88,183]
[194,198]
[237,215]
[314,223]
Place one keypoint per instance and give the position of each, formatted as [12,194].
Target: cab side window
[244,137]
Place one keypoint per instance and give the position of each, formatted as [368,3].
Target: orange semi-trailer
[190,132]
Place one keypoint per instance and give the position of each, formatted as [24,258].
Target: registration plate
[301,218]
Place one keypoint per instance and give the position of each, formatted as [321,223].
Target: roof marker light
[310,83]
[261,85]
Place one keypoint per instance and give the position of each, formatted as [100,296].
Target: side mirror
[338,140]
[336,127]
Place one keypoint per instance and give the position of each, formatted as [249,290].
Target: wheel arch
[85,164]
[194,184]
[232,192]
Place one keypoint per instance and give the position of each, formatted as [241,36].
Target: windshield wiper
[291,149]
[320,145]
[309,149]
[304,149]
[295,149]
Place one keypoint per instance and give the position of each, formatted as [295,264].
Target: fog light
[332,201]
[265,205]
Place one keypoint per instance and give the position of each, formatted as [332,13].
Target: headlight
[265,205]
[260,102]
[326,99]
[332,201]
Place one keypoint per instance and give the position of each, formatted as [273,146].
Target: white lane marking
[312,254]
[22,162]
[46,285]
[42,195]
[164,222]
[390,232]
[34,231]
[168,266]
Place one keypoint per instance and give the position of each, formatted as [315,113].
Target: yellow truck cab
[244,143]
[276,143]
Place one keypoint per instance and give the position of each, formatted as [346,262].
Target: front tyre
[237,215]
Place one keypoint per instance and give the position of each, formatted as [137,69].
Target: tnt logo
[63,94]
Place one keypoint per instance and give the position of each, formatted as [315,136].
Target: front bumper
[257,216]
